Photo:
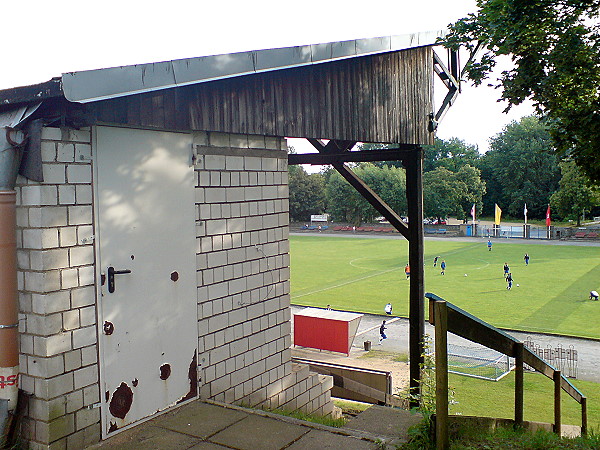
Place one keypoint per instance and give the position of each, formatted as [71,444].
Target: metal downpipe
[11,141]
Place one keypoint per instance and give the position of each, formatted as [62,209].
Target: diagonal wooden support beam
[358,184]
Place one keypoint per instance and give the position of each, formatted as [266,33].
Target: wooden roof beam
[389,154]
[337,147]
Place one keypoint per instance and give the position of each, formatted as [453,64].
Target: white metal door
[146,242]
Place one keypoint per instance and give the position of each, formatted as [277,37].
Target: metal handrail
[476,330]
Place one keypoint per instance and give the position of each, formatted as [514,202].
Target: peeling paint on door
[121,401]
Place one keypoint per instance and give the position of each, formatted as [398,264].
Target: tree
[555,48]
[346,204]
[576,195]
[451,154]
[447,193]
[306,193]
[520,168]
[472,191]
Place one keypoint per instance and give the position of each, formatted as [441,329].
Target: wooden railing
[448,317]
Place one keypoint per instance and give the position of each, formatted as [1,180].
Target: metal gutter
[101,84]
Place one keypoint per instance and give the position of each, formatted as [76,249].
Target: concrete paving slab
[149,437]
[208,446]
[256,432]
[209,426]
[200,419]
[317,439]
[385,421]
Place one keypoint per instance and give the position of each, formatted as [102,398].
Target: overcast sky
[43,39]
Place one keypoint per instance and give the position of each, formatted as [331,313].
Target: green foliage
[451,154]
[576,194]
[519,169]
[447,193]
[555,47]
[426,397]
[348,274]
[306,193]
[346,204]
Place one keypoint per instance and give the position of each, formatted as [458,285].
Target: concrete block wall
[57,321]
[244,333]
[243,286]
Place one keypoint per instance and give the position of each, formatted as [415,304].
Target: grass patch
[362,275]
[503,438]
[350,407]
[382,354]
[483,398]
[468,437]
[472,437]
[323,420]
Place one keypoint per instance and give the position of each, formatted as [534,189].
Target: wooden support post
[416,314]
[584,416]
[441,375]
[518,384]
[557,425]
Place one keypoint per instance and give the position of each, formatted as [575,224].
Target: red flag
[548,216]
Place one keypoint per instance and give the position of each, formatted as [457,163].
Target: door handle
[111,277]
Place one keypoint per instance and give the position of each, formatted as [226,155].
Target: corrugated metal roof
[94,85]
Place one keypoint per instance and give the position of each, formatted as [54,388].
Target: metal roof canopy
[101,84]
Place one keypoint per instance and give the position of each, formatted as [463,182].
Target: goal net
[478,362]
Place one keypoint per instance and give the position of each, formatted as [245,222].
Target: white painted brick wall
[59,362]
[243,273]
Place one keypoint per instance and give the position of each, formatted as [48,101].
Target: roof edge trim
[103,84]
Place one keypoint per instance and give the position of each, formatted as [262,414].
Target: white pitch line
[346,283]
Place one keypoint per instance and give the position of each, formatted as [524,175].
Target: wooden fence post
[441,375]
[557,426]
[519,384]
[584,416]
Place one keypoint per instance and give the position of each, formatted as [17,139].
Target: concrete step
[392,423]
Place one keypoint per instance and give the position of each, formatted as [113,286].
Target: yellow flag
[498,214]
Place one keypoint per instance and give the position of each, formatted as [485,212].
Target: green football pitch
[551,294]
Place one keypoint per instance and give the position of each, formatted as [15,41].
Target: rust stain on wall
[193,378]
[135,382]
[113,427]
[121,401]
[165,371]
[109,328]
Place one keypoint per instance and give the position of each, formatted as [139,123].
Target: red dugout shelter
[325,329]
